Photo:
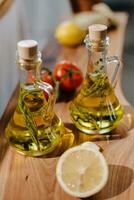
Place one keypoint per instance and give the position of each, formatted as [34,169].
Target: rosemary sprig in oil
[28,118]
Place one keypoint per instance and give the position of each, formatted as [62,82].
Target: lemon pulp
[82,171]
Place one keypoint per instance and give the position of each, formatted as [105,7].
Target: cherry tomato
[31,77]
[68,74]
[46,76]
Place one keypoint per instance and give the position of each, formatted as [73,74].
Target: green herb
[100,86]
[28,118]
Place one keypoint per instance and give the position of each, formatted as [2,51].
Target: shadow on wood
[120,178]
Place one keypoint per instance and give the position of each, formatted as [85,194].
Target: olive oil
[96,109]
[34,128]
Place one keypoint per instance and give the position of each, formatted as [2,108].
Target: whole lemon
[69,33]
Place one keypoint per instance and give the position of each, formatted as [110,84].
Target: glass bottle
[34,128]
[96,109]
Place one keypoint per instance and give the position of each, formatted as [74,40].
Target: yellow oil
[34,128]
[95,109]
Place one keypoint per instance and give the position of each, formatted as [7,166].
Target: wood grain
[34,178]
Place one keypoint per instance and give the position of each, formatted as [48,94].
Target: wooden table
[34,178]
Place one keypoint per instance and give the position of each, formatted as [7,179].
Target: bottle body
[96,109]
[94,112]
[34,128]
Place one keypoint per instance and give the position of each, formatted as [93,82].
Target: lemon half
[82,171]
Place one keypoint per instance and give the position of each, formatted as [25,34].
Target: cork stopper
[27,49]
[97,32]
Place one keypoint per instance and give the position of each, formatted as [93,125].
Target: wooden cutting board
[26,178]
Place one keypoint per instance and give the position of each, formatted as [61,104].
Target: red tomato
[68,74]
[31,77]
[46,76]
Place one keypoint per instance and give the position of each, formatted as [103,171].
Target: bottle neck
[97,54]
[29,70]
[97,60]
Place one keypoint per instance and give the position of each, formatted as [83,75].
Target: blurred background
[24,19]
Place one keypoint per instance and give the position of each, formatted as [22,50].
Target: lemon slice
[82,171]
